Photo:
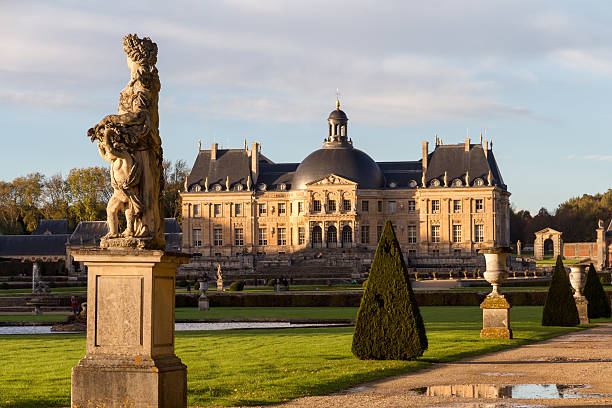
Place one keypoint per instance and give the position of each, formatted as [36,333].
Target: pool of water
[516,391]
[178,327]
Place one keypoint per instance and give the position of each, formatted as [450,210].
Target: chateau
[448,203]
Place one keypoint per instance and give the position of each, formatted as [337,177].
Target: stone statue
[518,247]
[219,279]
[130,142]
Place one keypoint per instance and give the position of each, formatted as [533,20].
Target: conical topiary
[389,325]
[599,302]
[560,306]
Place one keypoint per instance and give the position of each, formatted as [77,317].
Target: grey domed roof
[338,114]
[342,160]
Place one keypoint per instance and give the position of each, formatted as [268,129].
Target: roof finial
[337,98]
[200,144]
[480,137]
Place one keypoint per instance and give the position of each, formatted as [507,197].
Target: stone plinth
[582,305]
[495,318]
[130,360]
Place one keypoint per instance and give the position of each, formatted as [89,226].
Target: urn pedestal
[495,307]
[130,360]
[203,301]
[577,277]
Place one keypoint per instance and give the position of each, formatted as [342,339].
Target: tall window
[332,235]
[317,235]
[378,232]
[261,209]
[365,234]
[239,236]
[282,208]
[435,206]
[392,206]
[301,235]
[478,233]
[262,235]
[196,210]
[412,235]
[457,233]
[196,235]
[456,206]
[411,253]
[331,204]
[217,237]
[281,236]
[365,206]
[347,234]
[479,205]
[411,205]
[316,205]
[346,205]
[217,210]
[435,252]
[237,209]
[300,207]
[379,205]
[435,233]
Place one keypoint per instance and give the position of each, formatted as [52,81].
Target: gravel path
[578,358]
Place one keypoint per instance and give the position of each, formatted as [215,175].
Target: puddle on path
[516,391]
[495,374]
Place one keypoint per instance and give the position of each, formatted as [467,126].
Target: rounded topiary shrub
[389,325]
[560,306]
[237,286]
[599,302]
[271,282]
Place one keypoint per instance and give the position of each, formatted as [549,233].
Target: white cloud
[597,62]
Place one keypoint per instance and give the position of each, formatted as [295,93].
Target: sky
[533,77]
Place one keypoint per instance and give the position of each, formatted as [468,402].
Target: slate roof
[89,233]
[401,172]
[234,163]
[457,162]
[171,226]
[52,227]
[44,245]
[453,159]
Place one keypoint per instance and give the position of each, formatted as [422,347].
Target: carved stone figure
[219,279]
[130,142]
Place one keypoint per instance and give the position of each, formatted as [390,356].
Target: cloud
[395,63]
[597,62]
[598,157]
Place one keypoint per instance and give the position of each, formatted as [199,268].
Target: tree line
[80,196]
[577,218]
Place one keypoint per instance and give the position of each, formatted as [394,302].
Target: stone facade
[449,203]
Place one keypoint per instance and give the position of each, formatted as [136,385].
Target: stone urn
[495,274]
[577,277]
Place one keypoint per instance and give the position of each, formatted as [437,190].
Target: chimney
[467,144]
[255,161]
[213,152]
[425,154]
[486,148]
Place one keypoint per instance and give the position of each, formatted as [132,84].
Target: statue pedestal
[582,304]
[130,358]
[495,318]
[203,303]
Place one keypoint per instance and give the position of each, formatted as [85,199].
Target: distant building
[450,202]
[47,243]
[52,241]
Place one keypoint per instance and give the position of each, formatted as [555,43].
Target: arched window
[332,235]
[347,234]
[317,235]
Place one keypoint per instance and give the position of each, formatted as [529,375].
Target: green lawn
[267,312]
[250,367]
